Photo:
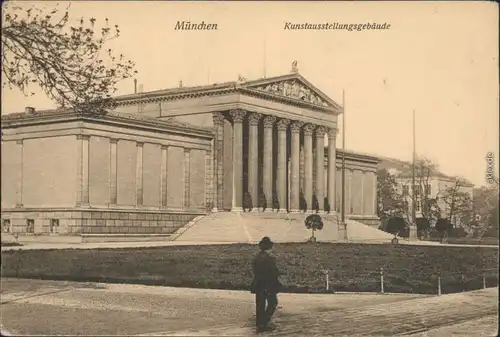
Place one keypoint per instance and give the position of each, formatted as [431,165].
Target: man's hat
[265,243]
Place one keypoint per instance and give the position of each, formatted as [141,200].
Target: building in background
[429,181]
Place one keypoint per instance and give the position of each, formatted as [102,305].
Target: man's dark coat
[265,274]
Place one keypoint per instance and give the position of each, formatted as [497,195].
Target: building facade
[166,156]
[69,174]
[430,184]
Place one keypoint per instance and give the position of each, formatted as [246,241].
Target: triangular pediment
[292,87]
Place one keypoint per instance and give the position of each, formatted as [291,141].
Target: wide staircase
[251,227]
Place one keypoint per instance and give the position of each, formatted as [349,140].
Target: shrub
[443,227]
[423,227]
[314,223]
[396,226]
[262,200]
[458,232]
[247,201]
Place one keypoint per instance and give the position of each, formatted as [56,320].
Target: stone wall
[97,222]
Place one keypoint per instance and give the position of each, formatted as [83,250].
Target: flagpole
[264,56]
[414,192]
[343,167]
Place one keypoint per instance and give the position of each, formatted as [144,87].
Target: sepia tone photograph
[240,168]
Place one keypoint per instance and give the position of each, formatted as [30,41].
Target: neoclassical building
[164,157]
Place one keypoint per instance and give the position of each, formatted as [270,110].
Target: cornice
[157,97]
[122,119]
[165,96]
[354,156]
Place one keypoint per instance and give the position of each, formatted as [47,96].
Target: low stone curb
[183,229]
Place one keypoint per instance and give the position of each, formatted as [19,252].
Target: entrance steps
[250,227]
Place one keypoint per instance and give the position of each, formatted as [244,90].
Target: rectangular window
[30,226]
[6,225]
[54,225]
[405,190]
[428,189]
[417,190]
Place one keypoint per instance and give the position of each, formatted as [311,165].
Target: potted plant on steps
[314,223]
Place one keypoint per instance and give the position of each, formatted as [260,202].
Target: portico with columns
[274,144]
[272,181]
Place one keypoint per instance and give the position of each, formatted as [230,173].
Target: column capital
[283,124]
[218,118]
[296,126]
[308,129]
[254,118]
[332,133]
[269,121]
[82,137]
[113,140]
[320,131]
[238,115]
[139,144]
[19,142]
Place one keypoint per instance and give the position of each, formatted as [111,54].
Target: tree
[389,202]
[443,227]
[459,207]
[69,62]
[314,223]
[423,227]
[425,169]
[492,223]
[396,226]
[485,205]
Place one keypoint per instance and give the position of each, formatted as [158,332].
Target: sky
[439,59]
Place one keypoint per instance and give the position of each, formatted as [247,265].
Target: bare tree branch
[66,61]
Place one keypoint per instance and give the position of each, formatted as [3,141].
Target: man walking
[265,285]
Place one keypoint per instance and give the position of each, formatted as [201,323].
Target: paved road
[69,308]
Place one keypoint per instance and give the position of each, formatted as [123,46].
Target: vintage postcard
[238,168]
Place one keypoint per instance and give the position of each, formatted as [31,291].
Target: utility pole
[342,213]
[413,226]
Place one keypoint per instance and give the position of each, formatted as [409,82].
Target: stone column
[112,171]
[308,169]
[267,182]
[82,197]
[332,171]
[348,194]
[187,179]
[320,167]
[238,116]
[282,171]
[295,167]
[374,193]
[218,119]
[368,195]
[253,159]
[362,192]
[164,175]
[19,187]
[138,175]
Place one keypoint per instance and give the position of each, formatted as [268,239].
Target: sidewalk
[465,314]
[64,244]
[70,308]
